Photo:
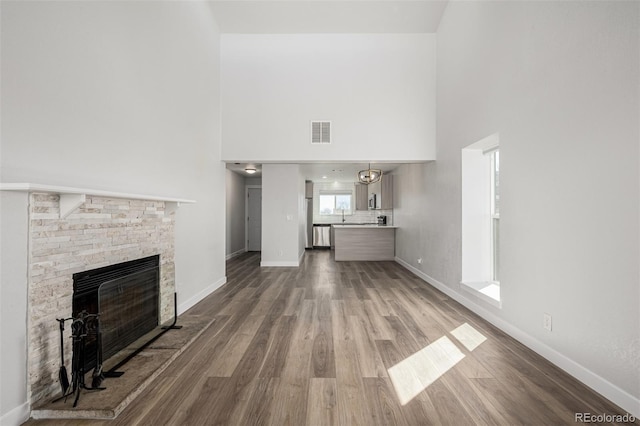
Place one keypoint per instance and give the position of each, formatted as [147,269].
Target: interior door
[254,219]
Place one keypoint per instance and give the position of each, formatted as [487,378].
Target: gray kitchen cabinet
[353,242]
[386,192]
[362,197]
[383,190]
[308,189]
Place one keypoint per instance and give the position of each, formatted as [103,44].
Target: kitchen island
[364,242]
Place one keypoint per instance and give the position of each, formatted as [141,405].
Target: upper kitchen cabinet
[382,192]
[362,197]
[308,189]
[386,192]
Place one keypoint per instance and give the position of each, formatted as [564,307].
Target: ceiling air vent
[320,132]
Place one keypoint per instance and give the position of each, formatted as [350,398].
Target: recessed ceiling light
[324,177]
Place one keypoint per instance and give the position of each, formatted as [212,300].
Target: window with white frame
[335,202]
[481,219]
[495,214]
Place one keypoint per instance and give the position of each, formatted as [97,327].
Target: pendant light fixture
[369,175]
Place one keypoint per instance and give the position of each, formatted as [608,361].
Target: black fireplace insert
[126,296]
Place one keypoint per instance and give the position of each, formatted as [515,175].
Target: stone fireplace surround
[94,231]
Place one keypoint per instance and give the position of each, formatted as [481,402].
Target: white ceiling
[339,172]
[240,169]
[319,172]
[328,16]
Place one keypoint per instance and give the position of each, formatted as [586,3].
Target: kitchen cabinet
[362,197]
[384,192]
[362,242]
[308,189]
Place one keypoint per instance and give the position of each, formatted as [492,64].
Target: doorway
[254,218]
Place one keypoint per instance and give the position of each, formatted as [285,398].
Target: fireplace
[100,236]
[127,298]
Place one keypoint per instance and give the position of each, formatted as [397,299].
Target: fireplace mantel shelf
[71,198]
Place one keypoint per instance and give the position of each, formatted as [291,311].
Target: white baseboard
[17,416]
[235,254]
[189,303]
[605,388]
[276,263]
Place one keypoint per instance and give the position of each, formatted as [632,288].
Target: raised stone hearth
[102,231]
[139,373]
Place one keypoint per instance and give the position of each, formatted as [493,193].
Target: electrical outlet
[546,321]
[420,261]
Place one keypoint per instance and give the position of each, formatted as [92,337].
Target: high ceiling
[339,172]
[328,16]
[319,172]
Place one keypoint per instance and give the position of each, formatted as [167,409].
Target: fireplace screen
[127,298]
[128,309]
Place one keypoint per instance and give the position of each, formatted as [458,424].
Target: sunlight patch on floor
[415,373]
[468,336]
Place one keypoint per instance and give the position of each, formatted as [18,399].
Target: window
[481,219]
[495,214]
[337,203]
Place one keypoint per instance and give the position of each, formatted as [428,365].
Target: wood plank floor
[350,343]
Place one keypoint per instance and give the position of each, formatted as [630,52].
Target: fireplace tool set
[80,327]
[85,325]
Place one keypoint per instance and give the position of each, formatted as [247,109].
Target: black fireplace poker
[63,376]
[79,333]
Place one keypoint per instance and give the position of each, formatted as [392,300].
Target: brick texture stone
[101,232]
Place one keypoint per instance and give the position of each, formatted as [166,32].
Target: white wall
[253,181]
[13,307]
[559,82]
[302,215]
[282,189]
[121,96]
[377,90]
[235,218]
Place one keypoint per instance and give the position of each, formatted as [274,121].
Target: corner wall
[14,237]
[559,81]
[121,96]
[282,190]
[235,218]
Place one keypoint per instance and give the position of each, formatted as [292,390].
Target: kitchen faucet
[342,215]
